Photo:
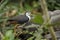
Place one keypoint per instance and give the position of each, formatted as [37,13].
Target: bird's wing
[19,18]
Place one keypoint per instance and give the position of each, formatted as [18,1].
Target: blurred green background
[17,7]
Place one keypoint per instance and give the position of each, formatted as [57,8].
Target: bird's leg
[23,24]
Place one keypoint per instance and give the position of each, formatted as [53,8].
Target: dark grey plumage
[19,19]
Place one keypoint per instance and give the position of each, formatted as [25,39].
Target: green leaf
[37,19]
[30,38]
[28,7]
[9,35]
[35,4]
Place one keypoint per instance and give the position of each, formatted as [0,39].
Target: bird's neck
[28,17]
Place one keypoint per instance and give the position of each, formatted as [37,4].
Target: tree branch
[45,12]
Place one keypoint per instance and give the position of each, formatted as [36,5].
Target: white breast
[28,15]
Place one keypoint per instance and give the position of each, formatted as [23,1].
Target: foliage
[9,35]
[53,4]
[37,18]
[27,5]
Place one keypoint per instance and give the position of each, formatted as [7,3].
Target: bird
[20,19]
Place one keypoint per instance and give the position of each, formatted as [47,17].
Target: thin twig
[1,35]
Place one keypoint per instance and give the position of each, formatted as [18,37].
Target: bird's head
[29,15]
